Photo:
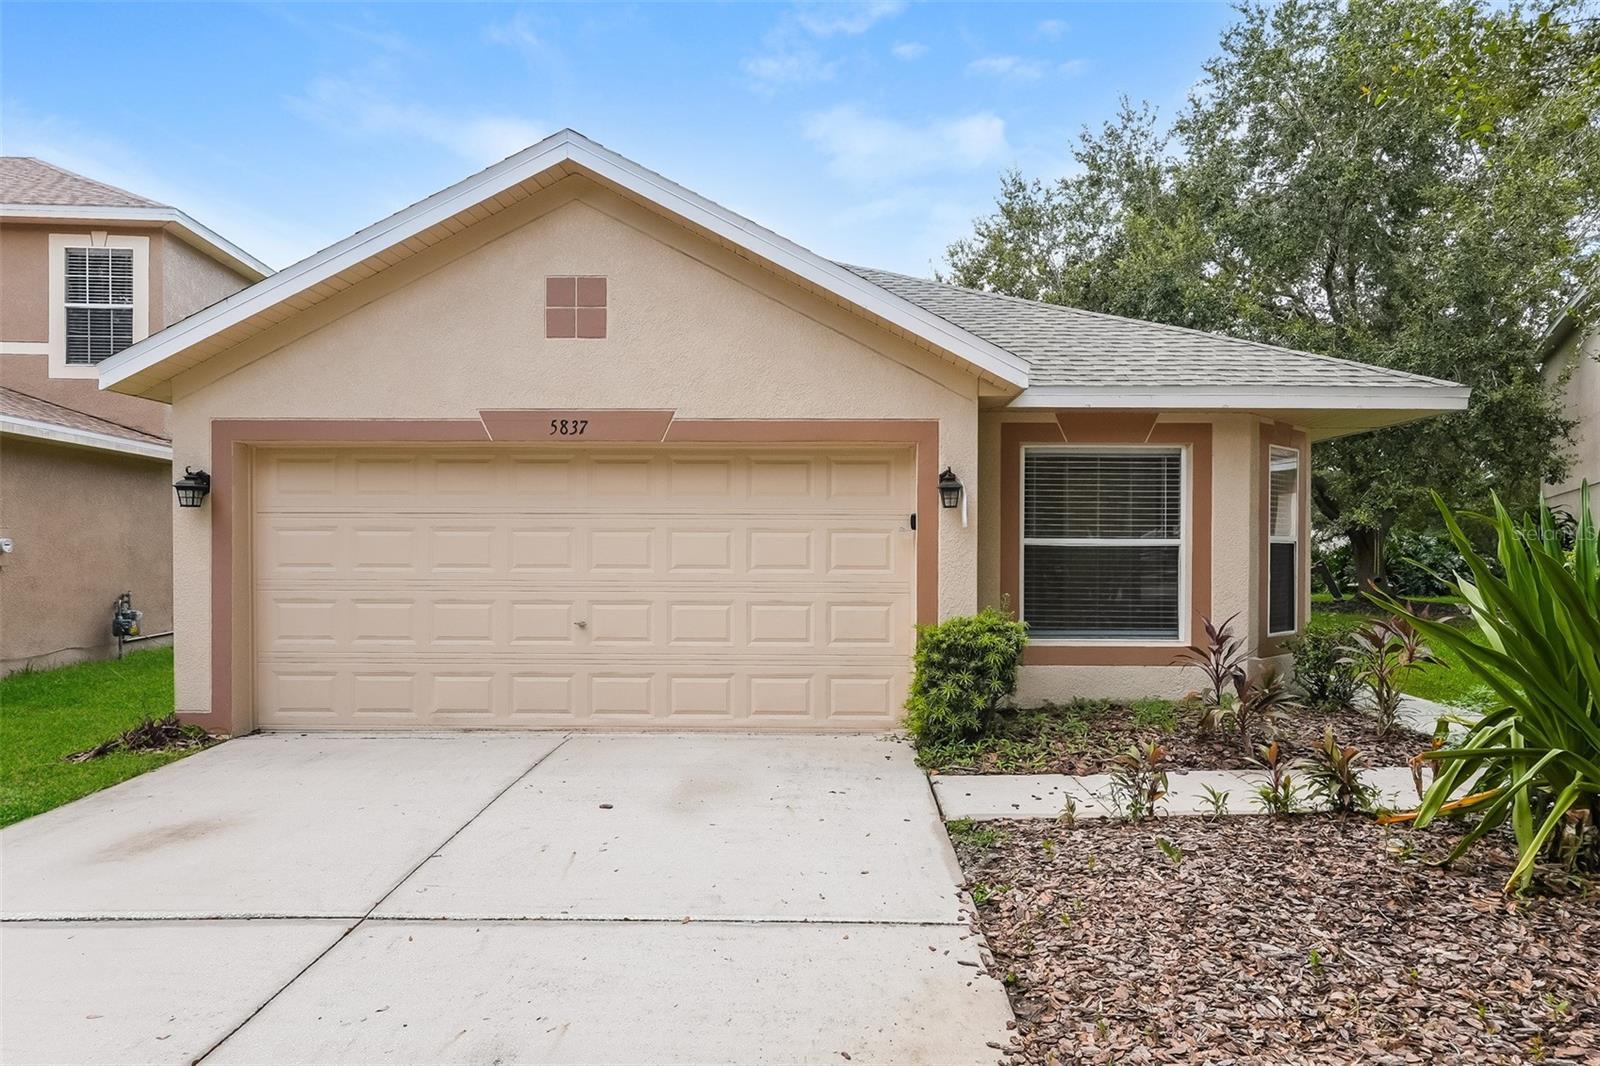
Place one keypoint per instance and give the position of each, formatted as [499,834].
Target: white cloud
[850,19]
[909,50]
[789,53]
[871,150]
[1073,67]
[350,107]
[1052,29]
[1012,68]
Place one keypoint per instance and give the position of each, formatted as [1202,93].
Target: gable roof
[28,416]
[33,190]
[1082,355]
[148,365]
[25,179]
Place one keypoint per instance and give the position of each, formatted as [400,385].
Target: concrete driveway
[497,898]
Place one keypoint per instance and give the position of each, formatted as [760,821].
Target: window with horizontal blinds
[1102,543]
[1283,540]
[99,303]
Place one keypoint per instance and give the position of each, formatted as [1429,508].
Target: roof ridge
[1166,326]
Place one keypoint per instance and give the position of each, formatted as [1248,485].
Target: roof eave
[83,438]
[188,229]
[566,147]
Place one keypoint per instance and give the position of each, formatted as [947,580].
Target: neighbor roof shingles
[1066,346]
[21,405]
[26,180]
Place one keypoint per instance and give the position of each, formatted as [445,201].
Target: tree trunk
[1329,579]
[1366,550]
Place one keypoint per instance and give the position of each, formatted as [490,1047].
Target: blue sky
[872,132]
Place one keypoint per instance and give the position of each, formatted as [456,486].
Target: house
[1572,351]
[568,444]
[86,270]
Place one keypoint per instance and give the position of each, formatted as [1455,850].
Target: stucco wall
[191,280]
[1237,570]
[87,526]
[24,292]
[460,329]
[1581,401]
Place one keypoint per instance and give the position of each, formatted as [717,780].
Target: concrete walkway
[497,898]
[990,796]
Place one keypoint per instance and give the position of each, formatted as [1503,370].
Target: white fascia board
[564,147]
[1273,397]
[83,438]
[191,231]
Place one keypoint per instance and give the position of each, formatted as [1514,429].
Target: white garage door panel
[628,588]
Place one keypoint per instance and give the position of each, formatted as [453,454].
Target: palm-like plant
[1380,653]
[1536,759]
[1223,660]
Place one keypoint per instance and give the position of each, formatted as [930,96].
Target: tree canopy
[1411,183]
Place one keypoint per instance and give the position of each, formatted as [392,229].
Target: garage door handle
[581,624]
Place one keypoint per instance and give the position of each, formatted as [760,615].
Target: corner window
[1103,543]
[99,304]
[1283,540]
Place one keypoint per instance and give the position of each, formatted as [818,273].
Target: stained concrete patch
[269,825]
[819,828]
[614,992]
[139,992]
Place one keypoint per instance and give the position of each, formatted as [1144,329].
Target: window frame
[1293,537]
[56,350]
[1184,543]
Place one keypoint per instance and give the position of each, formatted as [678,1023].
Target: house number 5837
[568,427]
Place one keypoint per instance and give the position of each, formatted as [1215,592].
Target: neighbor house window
[1283,540]
[1102,543]
[99,291]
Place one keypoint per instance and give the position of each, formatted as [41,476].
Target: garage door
[767,589]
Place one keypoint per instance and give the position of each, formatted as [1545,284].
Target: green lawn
[48,715]
[1447,682]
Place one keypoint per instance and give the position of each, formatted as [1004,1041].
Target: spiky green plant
[1535,760]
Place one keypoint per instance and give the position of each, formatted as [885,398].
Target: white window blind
[99,303]
[1102,543]
[1283,540]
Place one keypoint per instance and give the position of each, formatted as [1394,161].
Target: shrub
[1328,682]
[1534,761]
[1138,782]
[964,668]
[1335,775]
[1380,654]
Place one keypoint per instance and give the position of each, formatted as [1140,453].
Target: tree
[1410,183]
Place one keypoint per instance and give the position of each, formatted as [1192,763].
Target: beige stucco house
[1572,352]
[566,444]
[86,270]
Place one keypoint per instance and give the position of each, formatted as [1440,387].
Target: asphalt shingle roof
[1066,346]
[21,405]
[26,180]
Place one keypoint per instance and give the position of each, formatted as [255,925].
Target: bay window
[1103,543]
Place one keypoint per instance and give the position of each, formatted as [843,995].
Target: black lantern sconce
[952,494]
[192,487]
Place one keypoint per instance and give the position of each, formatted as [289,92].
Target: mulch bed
[1314,939]
[1075,740]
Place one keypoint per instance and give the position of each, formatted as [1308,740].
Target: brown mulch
[152,734]
[1073,740]
[1312,940]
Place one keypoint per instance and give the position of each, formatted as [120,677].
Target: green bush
[1328,683]
[964,667]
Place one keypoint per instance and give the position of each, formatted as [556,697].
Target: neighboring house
[566,444]
[1573,350]
[86,270]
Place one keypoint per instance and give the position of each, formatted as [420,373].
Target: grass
[47,715]
[967,831]
[1448,681]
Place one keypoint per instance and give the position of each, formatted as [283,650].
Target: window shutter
[1102,543]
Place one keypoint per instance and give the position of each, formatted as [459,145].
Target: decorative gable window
[1283,540]
[1103,553]
[99,303]
[575,307]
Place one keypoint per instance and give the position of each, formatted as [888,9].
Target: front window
[1283,541]
[99,299]
[1102,543]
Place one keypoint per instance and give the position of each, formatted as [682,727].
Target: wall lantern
[951,494]
[192,487]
